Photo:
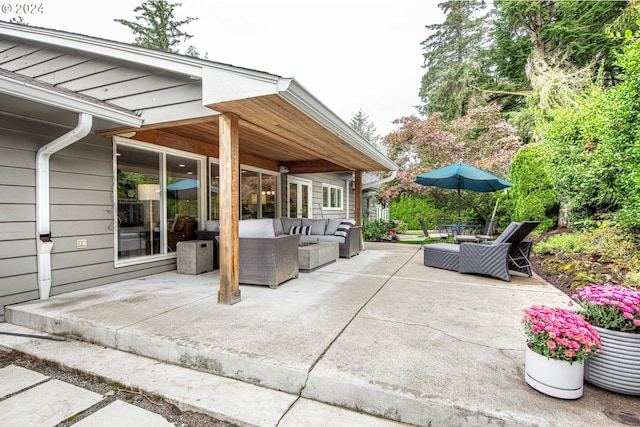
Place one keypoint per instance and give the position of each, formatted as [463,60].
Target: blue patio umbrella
[461,176]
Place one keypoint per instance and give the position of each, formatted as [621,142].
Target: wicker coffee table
[316,255]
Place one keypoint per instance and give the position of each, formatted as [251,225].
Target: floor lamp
[149,192]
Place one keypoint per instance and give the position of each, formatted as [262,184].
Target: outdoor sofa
[508,252]
[342,231]
[269,254]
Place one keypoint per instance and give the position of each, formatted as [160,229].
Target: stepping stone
[46,405]
[14,378]
[123,414]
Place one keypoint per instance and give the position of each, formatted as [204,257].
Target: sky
[350,54]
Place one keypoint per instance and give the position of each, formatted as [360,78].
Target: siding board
[175,95]
[82,258]
[68,244]
[17,248]
[17,158]
[16,52]
[18,266]
[105,80]
[80,197]
[126,275]
[35,58]
[16,285]
[62,76]
[80,228]
[69,180]
[91,272]
[54,65]
[15,194]
[17,230]
[62,163]
[139,85]
[17,176]
[15,212]
[80,213]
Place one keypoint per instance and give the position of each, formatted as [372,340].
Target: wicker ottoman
[442,255]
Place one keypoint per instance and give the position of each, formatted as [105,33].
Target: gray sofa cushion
[287,223]
[318,226]
[332,226]
[256,228]
[277,226]
[309,239]
[326,238]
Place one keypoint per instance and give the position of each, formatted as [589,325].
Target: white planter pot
[555,378]
[617,366]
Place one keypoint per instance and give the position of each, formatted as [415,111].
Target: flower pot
[617,366]
[555,378]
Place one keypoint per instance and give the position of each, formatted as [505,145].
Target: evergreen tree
[361,124]
[529,36]
[156,26]
[450,57]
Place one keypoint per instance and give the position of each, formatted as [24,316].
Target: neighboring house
[107,148]
[372,207]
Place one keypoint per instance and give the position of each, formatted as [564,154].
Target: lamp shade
[148,192]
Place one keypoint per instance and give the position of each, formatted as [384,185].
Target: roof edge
[302,99]
[55,98]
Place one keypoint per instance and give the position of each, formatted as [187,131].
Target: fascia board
[226,85]
[66,102]
[302,99]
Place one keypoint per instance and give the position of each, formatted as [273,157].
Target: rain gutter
[381,181]
[43,218]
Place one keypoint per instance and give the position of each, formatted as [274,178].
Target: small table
[316,255]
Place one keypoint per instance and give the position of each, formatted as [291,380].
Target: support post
[229,191]
[357,198]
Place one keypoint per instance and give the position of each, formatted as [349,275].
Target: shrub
[533,197]
[376,231]
[566,242]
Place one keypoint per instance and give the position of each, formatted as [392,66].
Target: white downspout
[348,188]
[43,219]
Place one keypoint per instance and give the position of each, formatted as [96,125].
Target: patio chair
[487,234]
[508,252]
[431,234]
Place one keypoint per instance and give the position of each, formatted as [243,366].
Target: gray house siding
[81,208]
[337,179]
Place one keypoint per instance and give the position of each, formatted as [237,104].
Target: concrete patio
[379,334]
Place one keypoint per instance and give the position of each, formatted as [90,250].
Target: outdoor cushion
[256,228]
[318,226]
[344,227]
[277,226]
[506,234]
[332,226]
[212,225]
[287,223]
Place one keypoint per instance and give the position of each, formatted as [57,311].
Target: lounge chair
[431,234]
[508,252]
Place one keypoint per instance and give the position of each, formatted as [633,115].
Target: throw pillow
[300,229]
[344,227]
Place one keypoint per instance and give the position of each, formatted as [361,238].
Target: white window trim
[334,187]
[203,175]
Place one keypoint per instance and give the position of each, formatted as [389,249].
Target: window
[331,197]
[254,203]
[158,199]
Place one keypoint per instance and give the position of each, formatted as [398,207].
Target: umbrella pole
[459,208]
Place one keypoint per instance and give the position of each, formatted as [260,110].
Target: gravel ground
[113,392]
